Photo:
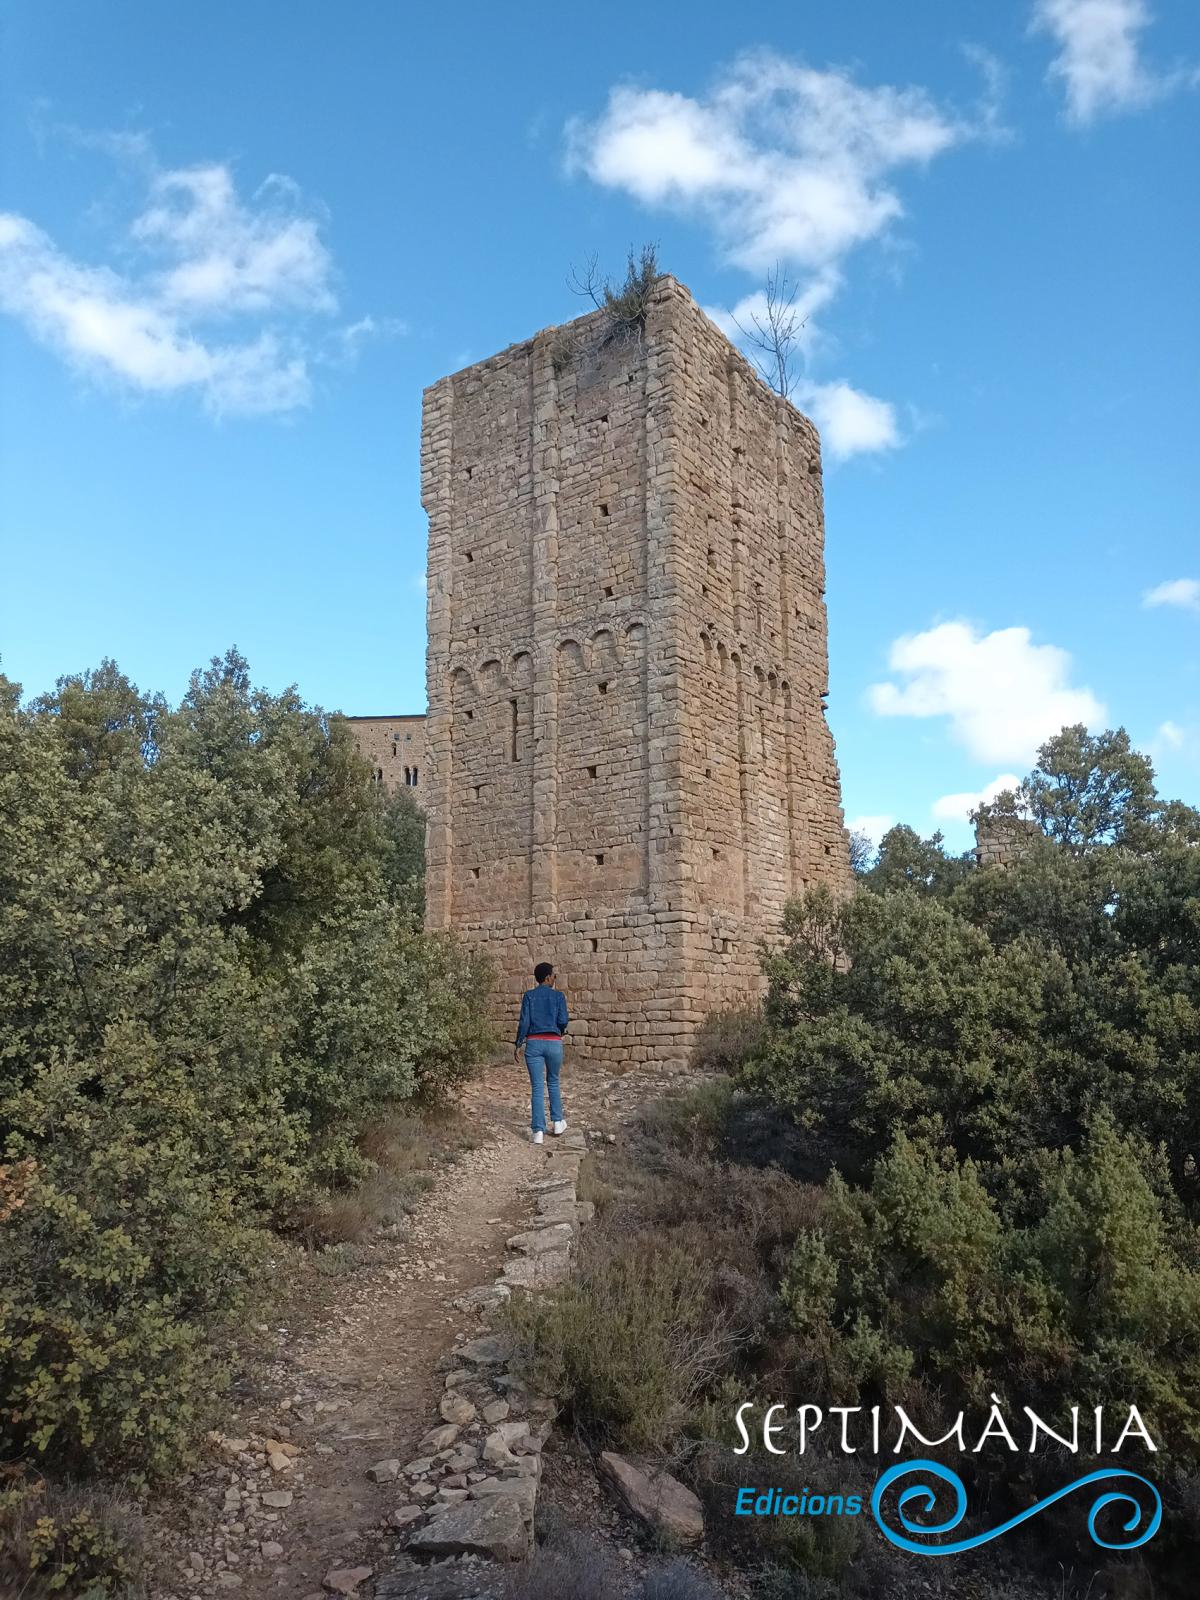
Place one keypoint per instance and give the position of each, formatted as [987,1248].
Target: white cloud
[958,807]
[1170,736]
[1003,694]
[787,161]
[199,255]
[229,257]
[849,421]
[1099,60]
[108,326]
[873,826]
[1181,592]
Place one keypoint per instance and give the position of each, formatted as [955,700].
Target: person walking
[541,1029]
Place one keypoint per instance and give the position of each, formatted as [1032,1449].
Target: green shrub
[1094,1299]
[213,979]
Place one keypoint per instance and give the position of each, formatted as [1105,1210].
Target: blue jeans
[543,1058]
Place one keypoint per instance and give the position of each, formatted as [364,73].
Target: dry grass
[675,1292]
[728,1038]
[66,1539]
[632,1343]
[405,1148]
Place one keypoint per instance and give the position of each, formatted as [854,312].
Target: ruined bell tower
[628,767]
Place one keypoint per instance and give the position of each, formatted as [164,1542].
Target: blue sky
[236,240]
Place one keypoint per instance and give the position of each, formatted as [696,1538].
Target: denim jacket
[543,1010]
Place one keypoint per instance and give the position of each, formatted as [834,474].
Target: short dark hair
[543,970]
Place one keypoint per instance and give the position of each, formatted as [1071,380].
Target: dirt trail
[359,1385]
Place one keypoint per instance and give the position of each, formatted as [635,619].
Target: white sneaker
[537,1136]
[559,1127]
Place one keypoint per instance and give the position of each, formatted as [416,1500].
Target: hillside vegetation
[213,981]
[953,1156]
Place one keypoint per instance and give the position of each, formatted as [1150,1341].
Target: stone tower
[628,764]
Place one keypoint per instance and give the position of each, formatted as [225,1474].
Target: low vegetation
[954,1157]
[625,302]
[215,992]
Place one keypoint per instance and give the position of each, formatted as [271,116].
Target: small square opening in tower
[595,943]
[603,686]
[470,554]
[608,591]
[604,508]
[475,872]
[599,858]
[592,772]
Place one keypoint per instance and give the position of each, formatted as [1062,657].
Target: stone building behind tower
[628,769]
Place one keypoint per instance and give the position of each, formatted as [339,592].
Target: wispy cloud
[225,256]
[196,258]
[1099,61]
[1002,694]
[1181,592]
[786,163]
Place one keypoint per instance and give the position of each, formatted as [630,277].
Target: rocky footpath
[471,1494]
[304,1498]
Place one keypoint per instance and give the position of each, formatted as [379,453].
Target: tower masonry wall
[628,768]
[395,749]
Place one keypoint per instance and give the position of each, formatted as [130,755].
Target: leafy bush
[990,1078]
[996,1071]
[212,979]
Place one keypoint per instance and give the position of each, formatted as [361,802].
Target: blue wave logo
[924,1495]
